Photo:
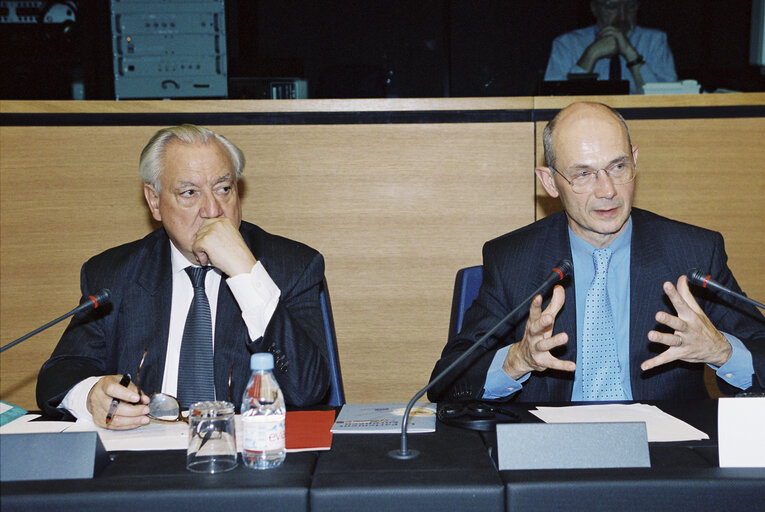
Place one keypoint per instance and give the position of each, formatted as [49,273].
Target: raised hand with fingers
[694,339]
[532,353]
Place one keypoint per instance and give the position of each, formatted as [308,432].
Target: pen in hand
[124,381]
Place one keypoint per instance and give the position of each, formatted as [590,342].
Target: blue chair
[466,287]
[336,392]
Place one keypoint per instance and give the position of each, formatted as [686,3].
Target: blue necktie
[601,372]
[196,378]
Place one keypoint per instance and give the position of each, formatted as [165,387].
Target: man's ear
[152,199]
[634,154]
[545,175]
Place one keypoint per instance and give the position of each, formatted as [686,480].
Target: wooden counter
[396,193]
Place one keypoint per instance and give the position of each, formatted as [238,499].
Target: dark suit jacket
[111,340]
[662,250]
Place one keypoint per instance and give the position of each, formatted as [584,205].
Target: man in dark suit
[262,294]
[650,339]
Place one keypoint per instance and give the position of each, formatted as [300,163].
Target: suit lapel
[647,267]
[154,288]
[557,246]
[231,336]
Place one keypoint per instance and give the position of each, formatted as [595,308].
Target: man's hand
[132,411]
[695,339]
[608,42]
[218,242]
[622,45]
[532,353]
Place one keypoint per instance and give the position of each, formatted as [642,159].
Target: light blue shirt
[737,371]
[652,44]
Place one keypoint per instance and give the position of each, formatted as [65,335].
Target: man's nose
[211,207]
[604,185]
[624,10]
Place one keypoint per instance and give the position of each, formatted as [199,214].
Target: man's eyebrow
[225,177]
[619,159]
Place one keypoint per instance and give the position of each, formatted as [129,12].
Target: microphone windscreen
[695,276]
[101,297]
[564,268]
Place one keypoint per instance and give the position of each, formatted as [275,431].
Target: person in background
[614,48]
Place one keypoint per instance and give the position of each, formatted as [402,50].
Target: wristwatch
[638,60]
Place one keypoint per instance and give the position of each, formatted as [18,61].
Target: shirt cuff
[257,296]
[76,400]
[739,368]
[499,384]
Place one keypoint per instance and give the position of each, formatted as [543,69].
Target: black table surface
[684,476]
[159,481]
[454,471]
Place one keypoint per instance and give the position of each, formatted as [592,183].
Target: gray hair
[150,164]
[547,134]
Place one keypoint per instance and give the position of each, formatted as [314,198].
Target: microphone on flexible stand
[698,278]
[561,270]
[93,302]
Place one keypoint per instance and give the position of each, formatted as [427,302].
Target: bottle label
[263,433]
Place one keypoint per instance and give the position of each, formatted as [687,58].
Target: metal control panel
[169,48]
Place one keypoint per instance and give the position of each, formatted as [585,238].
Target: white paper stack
[683,87]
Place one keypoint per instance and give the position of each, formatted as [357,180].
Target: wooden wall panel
[395,209]
[66,193]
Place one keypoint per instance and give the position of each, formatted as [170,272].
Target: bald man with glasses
[626,325]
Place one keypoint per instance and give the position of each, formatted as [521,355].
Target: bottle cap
[262,361]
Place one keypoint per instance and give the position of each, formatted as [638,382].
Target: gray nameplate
[572,445]
[48,456]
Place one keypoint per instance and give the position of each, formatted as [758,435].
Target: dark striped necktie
[196,378]
[615,68]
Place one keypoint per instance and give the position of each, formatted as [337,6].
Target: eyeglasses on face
[583,180]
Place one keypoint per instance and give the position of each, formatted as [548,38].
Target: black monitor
[583,87]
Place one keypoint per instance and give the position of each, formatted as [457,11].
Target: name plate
[740,431]
[572,445]
[49,456]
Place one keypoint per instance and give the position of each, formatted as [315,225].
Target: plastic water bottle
[263,416]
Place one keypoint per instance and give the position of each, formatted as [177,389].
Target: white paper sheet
[740,427]
[25,425]
[154,436]
[660,426]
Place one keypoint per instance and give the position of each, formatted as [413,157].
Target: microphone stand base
[397,454]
